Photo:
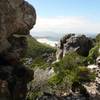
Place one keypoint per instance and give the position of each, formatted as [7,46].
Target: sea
[48,41]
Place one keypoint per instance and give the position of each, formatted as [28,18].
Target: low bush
[93,54]
[69,70]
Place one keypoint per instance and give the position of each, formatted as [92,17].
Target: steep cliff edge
[17,17]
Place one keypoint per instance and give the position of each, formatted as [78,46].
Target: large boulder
[17,17]
[80,44]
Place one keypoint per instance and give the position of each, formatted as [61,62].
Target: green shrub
[62,81]
[93,54]
[56,79]
[39,62]
[68,71]
[70,62]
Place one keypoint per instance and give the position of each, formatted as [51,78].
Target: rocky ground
[91,90]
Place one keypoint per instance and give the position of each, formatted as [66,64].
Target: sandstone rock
[17,17]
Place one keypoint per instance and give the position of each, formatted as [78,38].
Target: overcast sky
[64,16]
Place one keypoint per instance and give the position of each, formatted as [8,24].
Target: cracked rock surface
[17,17]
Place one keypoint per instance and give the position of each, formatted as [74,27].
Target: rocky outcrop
[17,17]
[40,82]
[93,88]
[80,44]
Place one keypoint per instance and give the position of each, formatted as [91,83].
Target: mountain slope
[36,49]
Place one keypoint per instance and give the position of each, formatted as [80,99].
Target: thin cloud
[66,24]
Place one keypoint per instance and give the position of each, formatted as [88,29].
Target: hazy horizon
[57,17]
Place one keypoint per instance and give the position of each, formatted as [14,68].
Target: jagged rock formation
[81,44]
[17,17]
[40,82]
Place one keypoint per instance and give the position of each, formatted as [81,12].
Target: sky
[55,17]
